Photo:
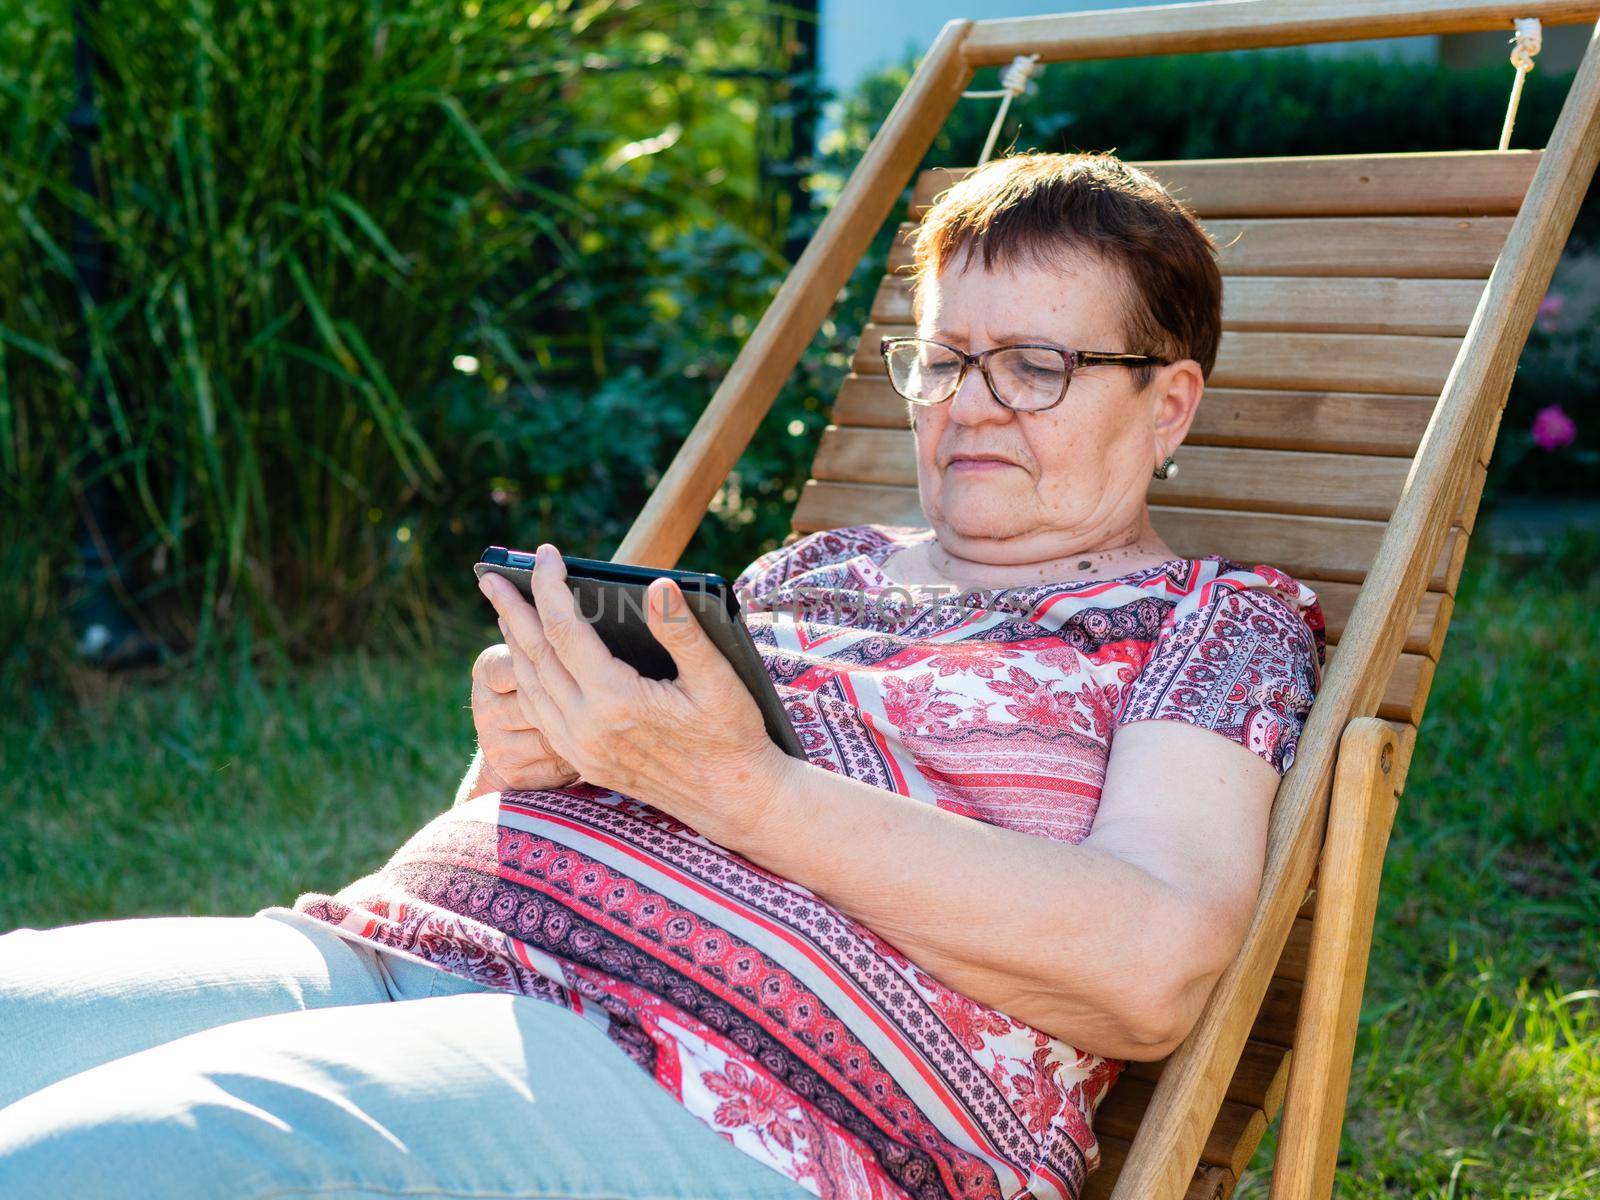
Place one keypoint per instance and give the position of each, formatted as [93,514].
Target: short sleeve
[1242,655]
[750,582]
[819,548]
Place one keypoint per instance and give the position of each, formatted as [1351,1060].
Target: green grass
[1477,1070]
[205,796]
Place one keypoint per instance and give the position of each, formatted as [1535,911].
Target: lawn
[1478,1064]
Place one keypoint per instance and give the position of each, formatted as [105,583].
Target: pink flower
[1553,429]
[1549,316]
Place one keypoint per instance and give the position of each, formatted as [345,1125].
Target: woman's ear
[1177,387]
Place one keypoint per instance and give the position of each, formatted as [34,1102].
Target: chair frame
[1337,802]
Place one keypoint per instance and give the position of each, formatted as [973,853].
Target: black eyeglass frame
[1073,359]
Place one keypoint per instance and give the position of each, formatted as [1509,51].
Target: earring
[1167,469]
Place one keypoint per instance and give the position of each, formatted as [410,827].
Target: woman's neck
[930,563]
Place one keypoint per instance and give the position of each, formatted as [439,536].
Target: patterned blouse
[784,1025]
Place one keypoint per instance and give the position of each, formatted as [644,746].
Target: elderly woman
[1041,750]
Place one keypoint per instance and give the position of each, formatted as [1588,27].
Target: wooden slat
[1275,1021]
[1315,547]
[1292,963]
[1258,1081]
[1233,1138]
[1328,421]
[1308,906]
[1465,183]
[1277,303]
[1406,694]
[1337,362]
[1428,625]
[1406,691]
[1290,481]
[1424,307]
[1208,1183]
[1455,557]
[1333,548]
[1401,247]
[1197,28]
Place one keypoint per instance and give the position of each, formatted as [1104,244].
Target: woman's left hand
[695,746]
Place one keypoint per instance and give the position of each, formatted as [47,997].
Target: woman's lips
[978,464]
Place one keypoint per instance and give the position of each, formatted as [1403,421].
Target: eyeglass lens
[1025,377]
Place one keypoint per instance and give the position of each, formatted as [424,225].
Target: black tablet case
[611,597]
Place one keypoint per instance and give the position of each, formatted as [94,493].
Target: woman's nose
[974,403]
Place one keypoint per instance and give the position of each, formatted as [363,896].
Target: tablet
[611,598]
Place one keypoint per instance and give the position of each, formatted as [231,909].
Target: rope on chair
[1013,82]
[1528,40]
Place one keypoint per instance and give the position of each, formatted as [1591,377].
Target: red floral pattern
[753,1100]
[790,1029]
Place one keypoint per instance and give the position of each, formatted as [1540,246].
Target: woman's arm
[1112,944]
[480,778]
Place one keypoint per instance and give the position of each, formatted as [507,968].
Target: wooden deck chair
[1375,307]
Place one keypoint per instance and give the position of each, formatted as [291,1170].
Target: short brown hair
[1033,207]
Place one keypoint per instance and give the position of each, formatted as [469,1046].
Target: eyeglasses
[1026,378]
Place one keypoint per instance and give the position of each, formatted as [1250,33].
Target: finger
[493,669]
[493,709]
[550,713]
[676,627]
[573,639]
[525,634]
[520,753]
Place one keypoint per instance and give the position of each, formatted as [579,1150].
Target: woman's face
[1074,476]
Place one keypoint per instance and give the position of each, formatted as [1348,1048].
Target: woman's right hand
[514,752]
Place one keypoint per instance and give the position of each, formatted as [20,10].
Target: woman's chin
[970,521]
[970,508]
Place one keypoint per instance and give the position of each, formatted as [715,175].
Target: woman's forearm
[1066,938]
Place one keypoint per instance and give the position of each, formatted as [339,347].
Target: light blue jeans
[265,1056]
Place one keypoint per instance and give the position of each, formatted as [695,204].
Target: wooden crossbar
[1245,25]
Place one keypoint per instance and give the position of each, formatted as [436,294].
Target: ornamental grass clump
[312,219]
